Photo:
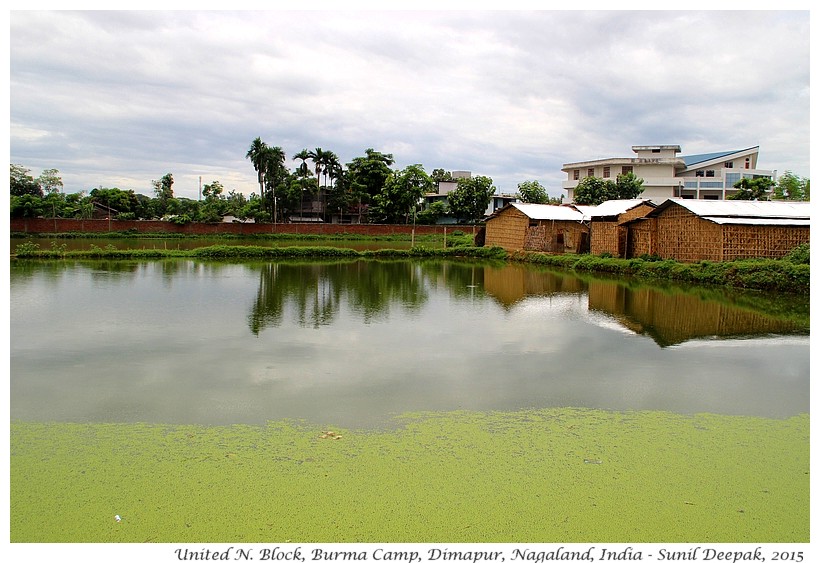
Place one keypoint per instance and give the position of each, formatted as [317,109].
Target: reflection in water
[370,288]
[356,342]
[672,318]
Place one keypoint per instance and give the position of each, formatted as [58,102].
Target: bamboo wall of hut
[607,236]
[761,241]
[610,235]
[684,236]
[512,229]
[642,238]
[508,229]
[557,237]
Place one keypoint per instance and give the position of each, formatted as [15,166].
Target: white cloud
[121,98]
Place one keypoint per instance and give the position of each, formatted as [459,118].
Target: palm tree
[303,172]
[256,154]
[273,164]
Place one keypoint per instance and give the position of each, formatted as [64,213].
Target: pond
[400,401]
[356,343]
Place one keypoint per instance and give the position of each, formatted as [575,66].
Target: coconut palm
[275,173]
[256,154]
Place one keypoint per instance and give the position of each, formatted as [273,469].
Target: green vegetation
[554,475]
[785,275]
[594,191]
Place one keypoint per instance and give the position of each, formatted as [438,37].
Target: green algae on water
[553,475]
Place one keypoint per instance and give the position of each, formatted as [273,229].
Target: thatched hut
[607,230]
[538,227]
[689,230]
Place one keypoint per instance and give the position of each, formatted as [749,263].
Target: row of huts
[687,230]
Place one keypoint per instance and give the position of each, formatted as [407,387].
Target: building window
[728,164]
[710,173]
[606,171]
[748,163]
[590,172]
[699,173]
[626,169]
[656,150]
[576,174]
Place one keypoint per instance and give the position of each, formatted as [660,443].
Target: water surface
[358,342]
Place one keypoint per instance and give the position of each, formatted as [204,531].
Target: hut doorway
[583,246]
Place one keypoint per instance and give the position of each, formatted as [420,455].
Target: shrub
[799,254]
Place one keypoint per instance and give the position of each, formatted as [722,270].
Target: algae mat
[556,475]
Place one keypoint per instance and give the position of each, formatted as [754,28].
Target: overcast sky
[118,99]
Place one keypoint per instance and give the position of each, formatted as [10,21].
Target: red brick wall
[103,226]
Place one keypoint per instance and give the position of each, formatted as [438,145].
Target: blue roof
[697,158]
[694,159]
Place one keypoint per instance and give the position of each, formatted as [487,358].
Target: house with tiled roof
[665,174]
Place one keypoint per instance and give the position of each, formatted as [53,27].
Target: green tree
[163,194]
[752,189]
[440,175]
[532,192]
[628,186]
[594,191]
[276,177]
[400,196]
[50,180]
[469,201]
[119,200]
[369,173]
[27,205]
[433,213]
[791,187]
[257,154]
[22,183]
[214,204]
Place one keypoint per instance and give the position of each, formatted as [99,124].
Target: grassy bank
[555,475]
[784,275]
[769,275]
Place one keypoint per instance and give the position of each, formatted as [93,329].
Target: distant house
[497,202]
[667,175]
[538,227]
[692,230]
[100,211]
[234,219]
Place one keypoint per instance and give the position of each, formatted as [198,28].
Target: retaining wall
[39,226]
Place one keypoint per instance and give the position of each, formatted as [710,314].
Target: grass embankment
[791,274]
[762,274]
[554,475]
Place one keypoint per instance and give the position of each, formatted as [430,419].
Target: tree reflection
[314,293]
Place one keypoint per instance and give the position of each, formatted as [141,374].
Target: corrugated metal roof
[542,212]
[770,221]
[614,207]
[693,159]
[741,208]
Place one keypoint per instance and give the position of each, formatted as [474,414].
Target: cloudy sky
[118,99]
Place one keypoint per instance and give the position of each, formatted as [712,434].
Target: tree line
[366,189]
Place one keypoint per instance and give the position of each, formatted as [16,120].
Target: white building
[665,174]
